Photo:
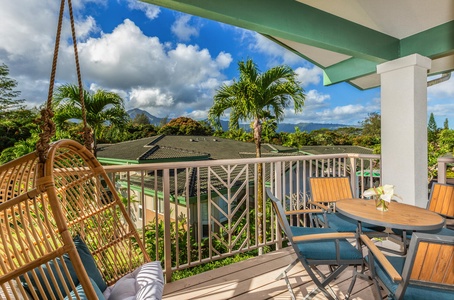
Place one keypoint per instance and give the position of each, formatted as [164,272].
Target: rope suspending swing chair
[64,231]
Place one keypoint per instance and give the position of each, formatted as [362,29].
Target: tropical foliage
[102,108]
[185,126]
[258,97]
[154,243]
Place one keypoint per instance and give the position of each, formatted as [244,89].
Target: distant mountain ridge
[137,111]
[281,127]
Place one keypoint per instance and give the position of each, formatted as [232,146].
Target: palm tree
[101,107]
[257,97]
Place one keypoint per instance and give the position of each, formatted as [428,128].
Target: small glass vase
[381,204]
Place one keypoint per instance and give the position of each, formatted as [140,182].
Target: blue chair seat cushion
[342,223]
[52,266]
[81,292]
[413,291]
[44,273]
[441,231]
[325,249]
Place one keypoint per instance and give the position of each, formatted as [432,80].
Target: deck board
[255,279]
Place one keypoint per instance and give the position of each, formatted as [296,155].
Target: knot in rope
[48,131]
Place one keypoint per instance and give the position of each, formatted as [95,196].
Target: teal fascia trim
[294,21]
[151,192]
[433,43]
[115,161]
[348,69]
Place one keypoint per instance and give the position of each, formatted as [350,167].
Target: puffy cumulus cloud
[348,114]
[197,114]
[86,27]
[156,77]
[308,76]
[314,97]
[27,42]
[123,58]
[314,102]
[223,60]
[163,78]
[147,98]
[182,29]
[276,53]
[151,11]
[318,109]
[441,112]
[444,90]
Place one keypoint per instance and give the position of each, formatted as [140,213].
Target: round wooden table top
[399,215]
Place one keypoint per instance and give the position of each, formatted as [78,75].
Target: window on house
[140,212]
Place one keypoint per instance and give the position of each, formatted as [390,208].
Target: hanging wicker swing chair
[64,231]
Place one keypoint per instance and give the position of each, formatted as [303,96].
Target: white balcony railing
[195,212]
[443,163]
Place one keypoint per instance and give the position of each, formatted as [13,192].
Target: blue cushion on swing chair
[89,263]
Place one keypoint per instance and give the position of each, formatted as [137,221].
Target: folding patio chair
[315,247]
[325,191]
[427,272]
[441,201]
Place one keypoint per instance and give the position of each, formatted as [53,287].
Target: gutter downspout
[444,77]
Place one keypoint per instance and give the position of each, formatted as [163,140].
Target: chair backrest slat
[442,199]
[328,189]
[434,263]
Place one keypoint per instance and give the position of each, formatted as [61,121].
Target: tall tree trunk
[258,153]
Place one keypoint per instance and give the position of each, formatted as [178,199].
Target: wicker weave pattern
[43,206]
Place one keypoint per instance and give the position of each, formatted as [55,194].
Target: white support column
[404,126]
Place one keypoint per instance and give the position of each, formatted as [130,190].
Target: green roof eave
[151,192]
[295,21]
[347,70]
[433,43]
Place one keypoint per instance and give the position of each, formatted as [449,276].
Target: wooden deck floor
[255,279]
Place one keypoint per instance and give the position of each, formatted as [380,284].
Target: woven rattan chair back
[43,206]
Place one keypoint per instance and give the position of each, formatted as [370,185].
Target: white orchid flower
[385,192]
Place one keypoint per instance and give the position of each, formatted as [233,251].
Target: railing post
[278,191]
[443,161]
[167,235]
[353,178]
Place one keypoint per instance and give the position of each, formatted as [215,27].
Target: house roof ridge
[156,139]
[184,150]
[149,151]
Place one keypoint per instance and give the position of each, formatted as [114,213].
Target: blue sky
[166,62]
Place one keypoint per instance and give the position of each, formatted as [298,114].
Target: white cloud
[197,114]
[86,27]
[151,11]
[182,29]
[315,98]
[224,60]
[309,76]
[164,78]
[149,98]
[442,90]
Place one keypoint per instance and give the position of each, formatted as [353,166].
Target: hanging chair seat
[64,231]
